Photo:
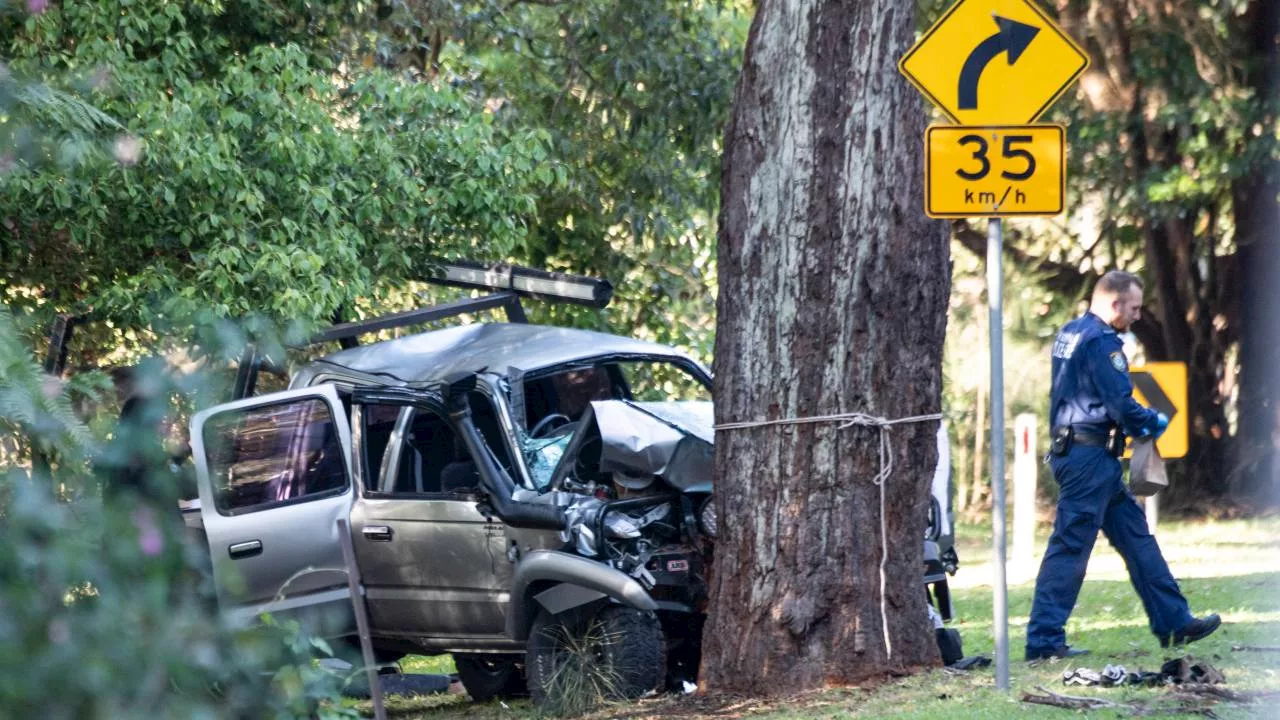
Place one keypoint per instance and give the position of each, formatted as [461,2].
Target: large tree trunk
[1258,237]
[833,297]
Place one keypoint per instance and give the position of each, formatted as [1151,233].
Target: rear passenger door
[274,474]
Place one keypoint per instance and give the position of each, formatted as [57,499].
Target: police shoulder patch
[1118,362]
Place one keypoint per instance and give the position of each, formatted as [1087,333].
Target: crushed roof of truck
[435,355]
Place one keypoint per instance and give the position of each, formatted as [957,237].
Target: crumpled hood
[673,440]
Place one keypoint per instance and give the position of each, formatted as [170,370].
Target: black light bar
[527,282]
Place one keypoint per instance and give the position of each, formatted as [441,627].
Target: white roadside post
[1024,495]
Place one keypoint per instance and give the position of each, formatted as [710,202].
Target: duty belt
[1064,437]
[1090,439]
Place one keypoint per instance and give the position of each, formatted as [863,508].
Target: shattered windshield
[554,402]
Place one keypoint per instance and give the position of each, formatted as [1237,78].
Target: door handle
[376,533]
[245,549]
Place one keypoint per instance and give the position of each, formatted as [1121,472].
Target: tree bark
[832,298]
[1258,220]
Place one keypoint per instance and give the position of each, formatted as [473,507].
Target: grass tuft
[582,676]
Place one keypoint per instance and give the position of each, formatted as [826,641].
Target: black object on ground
[1177,671]
[1188,670]
[401,684]
[949,645]
[971,663]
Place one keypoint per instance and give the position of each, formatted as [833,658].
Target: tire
[488,677]
[580,658]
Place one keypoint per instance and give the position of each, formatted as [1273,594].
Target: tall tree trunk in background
[1258,237]
[832,298]
[979,428]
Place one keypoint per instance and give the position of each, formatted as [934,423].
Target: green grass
[434,665]
[1229,567]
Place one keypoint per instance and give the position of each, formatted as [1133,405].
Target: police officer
[1091,410]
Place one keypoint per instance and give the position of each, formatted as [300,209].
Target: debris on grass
[1071,702]
[1187,669]
[1255,648]
[1235,696]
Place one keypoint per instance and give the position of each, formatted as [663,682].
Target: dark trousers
[1093,497]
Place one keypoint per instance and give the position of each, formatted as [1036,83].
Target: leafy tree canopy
[252,177]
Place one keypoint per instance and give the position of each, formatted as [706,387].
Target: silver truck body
[441,571]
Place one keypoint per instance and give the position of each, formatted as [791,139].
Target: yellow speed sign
[994,170]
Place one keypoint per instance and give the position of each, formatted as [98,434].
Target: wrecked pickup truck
[523,497]
[516,494]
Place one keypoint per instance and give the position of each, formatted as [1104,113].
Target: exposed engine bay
[634,479]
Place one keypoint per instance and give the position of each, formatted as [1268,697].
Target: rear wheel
[487,677]
[580,658]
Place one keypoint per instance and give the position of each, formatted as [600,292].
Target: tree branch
[1056,277]
[1064,279]
[1071,702]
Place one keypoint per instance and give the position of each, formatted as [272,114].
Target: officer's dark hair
[1116,282]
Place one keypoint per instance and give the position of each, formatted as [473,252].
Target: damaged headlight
[707,518]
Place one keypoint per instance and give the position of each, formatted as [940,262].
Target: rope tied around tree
[847,420]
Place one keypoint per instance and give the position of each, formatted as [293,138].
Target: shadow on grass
[1109,620]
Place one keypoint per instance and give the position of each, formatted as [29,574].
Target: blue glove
[1162,423]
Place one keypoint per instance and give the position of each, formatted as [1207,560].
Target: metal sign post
[991,164]
[995,328]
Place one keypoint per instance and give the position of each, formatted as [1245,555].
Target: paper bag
[1146,469]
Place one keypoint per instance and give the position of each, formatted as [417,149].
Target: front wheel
[487,677]
[580,658]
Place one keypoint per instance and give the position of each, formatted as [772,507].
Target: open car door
[274,474]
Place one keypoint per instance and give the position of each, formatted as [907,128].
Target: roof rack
[509,283]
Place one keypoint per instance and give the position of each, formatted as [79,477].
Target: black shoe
[1197,629]
[1061,652]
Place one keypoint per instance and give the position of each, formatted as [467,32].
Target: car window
[379,421]
[273,454]
[570,391]
[554,403]
[485,417]
[432,459]
[566,393]
[653,381]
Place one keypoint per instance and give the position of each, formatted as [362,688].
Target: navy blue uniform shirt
[1091,386]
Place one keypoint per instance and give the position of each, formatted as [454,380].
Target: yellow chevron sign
[1163,386]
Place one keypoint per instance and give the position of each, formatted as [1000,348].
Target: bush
[103,610]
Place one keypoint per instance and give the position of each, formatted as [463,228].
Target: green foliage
[634,96]
[263,180]
[102,610]
[287,157]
